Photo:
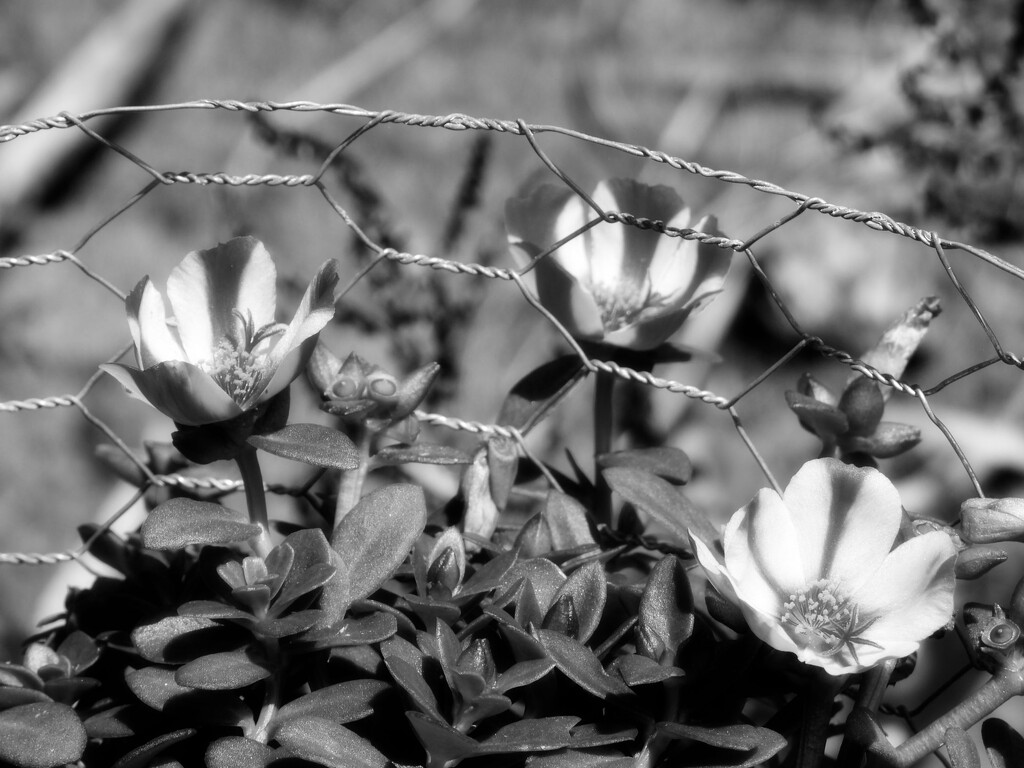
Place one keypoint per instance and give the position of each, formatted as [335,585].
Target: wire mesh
[532,135]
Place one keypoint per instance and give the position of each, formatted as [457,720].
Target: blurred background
[909,107]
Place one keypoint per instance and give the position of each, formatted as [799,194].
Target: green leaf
[364,630]
[222,671]
[155,687]
[341,703]
[312,444]
[523,673]
[311,555]
[140,757]
[640,670]
[442,742]
[666,462]
[238,752]
[183,522]
[113,723]
[211,609]
[412,682]
[1003,745]
[535,394]
[662,500]
[326,743]
[488,576]
[756,744]
[666,609]
[41,735]
[539,734]
[420,453]
[572,758]
[961,750]
[178,638]
[371,541]
[579,664]
[567,520]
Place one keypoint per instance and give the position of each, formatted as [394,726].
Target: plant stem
[604,388]
[351,486]
[872,688]
[821,692]
[271,698]
[255,499]
[1002,687]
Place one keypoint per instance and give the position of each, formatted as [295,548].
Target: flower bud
[479,659]
[984,521]
[863,404]
[977,561]
[443,575]
[563,617]
[821,419]
[481,515]
[503,463]
[894,350]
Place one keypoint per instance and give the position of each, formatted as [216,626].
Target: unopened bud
[481,515]
[563,617]
[894,350]
[503,463]
[863,404]
[478,658]
[977,561]
[443,575]
[984,521]
[322,368]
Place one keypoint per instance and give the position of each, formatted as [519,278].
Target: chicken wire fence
[532,136]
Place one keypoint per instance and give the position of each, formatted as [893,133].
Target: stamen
[234,365]
[825,619]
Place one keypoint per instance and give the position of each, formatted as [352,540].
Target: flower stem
[351,486]
[872,688]
[271,698]
[818,698]
[1002,687]
[603,420]
[255,499]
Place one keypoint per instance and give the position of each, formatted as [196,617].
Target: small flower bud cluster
[363,394]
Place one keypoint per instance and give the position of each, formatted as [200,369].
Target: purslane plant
[532,619]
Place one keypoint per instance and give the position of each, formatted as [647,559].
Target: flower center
[622,304]
[823,618]
[235,364]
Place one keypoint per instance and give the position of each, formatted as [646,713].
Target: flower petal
[911,593]
[291,352]
[712,266]
[574,256]
[611,268]
[764,624]
[208,286]
[154,342]
[530,220]
[773,545]
[570,303]
[848,518]
[180,390]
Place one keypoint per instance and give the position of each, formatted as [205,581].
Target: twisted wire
[461,122]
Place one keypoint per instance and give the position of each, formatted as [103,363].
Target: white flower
[228,355]
[614,282]
[815,573]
